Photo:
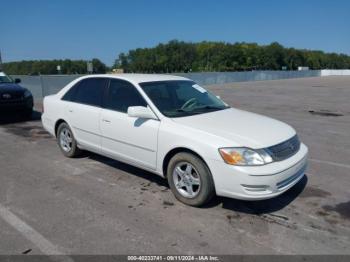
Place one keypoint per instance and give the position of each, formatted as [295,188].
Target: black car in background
[13,97]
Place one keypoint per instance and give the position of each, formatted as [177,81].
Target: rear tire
[190,179]
[66,141]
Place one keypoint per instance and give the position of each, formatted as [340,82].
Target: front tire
[190,179]
[66,141]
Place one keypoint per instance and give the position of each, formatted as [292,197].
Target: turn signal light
[231,157]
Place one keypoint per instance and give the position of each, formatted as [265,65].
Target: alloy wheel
[186,179]
[66,139]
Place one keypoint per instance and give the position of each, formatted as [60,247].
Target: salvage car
[13,97]
[173,127]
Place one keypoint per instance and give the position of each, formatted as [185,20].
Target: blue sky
[83,29]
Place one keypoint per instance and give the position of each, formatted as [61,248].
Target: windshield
[181,98]
[5,79]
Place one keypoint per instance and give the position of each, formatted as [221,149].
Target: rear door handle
[70,110]
[105,120]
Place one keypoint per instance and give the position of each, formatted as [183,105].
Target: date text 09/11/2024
[173,258]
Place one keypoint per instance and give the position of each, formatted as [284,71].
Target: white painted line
[329,163]
[33,236]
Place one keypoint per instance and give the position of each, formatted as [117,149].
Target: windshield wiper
[211,107]
[180,110]
[187,112]
[199,110]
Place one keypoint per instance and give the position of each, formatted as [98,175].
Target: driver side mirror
[141,112]
[17,81]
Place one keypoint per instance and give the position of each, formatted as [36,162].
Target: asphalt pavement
[94,205]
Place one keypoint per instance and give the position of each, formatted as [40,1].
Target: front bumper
[16,105]
[258,182]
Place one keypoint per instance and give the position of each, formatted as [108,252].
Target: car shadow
[248,207]
[16,117]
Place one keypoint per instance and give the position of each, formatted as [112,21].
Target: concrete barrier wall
[333,72]
[45,85]
[230,77]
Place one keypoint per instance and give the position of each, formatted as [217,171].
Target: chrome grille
[285,149]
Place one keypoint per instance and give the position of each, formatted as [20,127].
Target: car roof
[2,74]
[140,78]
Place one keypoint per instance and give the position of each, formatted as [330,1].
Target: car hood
[10,87]
[240,128]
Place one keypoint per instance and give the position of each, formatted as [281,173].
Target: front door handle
[106,120]
[70,110]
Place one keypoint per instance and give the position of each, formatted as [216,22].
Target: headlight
[27,93]
[242,156]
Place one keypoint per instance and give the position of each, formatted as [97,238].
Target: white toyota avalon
[171,126]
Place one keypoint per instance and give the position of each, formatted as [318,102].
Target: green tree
[35,67]
[179,56]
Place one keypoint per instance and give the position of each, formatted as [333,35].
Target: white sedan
[171,126]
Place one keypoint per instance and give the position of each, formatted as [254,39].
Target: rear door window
[88,92]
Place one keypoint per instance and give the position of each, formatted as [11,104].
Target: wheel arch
[175,151]
[57,124]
